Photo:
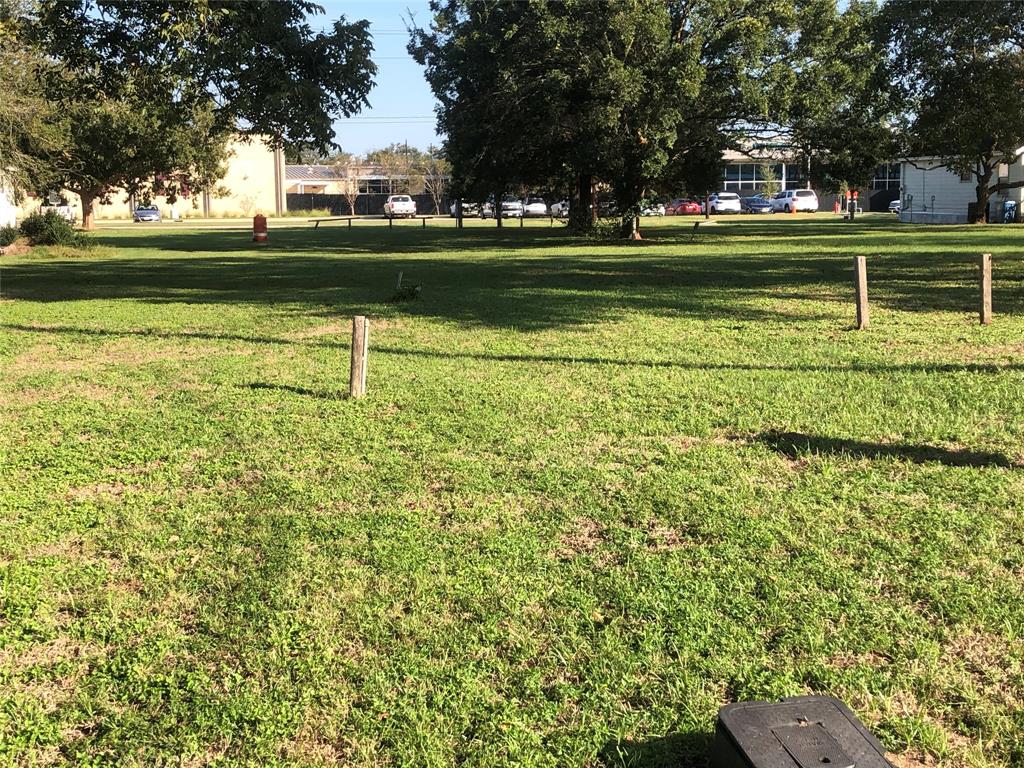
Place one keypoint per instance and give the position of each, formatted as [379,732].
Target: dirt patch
[17,248]
[100,491]
[59,650]
[585,536]
[912,759]
[662,538]
[845,660]
[122,351]
[330,329]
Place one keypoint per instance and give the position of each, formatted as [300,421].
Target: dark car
[755,204]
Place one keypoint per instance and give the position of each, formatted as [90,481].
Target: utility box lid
[804,732]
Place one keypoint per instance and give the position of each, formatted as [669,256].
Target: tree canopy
[956,69]
[154,89]
[636,93]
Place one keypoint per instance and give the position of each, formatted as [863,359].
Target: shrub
[50,228]
[8,235]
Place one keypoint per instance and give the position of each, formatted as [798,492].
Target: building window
[374,187]
[747,177]
[886,177]
[966,176]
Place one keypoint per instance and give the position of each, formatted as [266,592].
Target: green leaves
[156,87]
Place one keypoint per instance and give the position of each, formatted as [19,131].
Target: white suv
[724,202]
[790,200]
[399,205]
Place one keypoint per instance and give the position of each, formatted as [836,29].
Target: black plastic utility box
[805,732]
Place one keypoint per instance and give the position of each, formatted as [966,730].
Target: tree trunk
[497,210]
[982,193]
[582,215]
[88,214]
[631,227]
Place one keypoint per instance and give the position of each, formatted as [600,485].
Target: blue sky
[401,104]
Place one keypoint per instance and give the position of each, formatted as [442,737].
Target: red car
[683,207]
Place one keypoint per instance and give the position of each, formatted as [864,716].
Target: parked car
[468,209]
[59,205]
[683,206]
[534,206]
[723,202]
[607,209]
[790,200]
[146,213]
[560,209]
[896,206]
[756,204]
[511,208]
[399,205]
[653,209]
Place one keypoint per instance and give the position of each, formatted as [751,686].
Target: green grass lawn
[595,492]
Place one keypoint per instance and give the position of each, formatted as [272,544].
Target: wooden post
[360,348]
[391,221]
[398,285]
[521,221]
[860,275]
[350,222]
[985,264]
[424,222]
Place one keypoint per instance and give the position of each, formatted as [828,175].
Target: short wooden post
[391,221]
[398,285]
[985,265]
[860,276]
[360,348]
[521,221]
[350,222]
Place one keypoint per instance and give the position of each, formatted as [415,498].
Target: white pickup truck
[399,205]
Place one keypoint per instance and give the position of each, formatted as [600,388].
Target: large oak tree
[152,89]
[958,69]
[620,91]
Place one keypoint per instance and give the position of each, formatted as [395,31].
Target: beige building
[254,183]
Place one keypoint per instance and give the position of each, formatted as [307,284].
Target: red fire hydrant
[259,229]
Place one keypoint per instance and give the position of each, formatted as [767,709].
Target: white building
[8,210]
[932,194]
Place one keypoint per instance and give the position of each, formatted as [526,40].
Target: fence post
[860,272]
[391,221]
[350,222]
[360,349]
[424,222]
[985,265]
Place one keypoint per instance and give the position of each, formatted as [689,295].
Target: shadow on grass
[318,394]
[522,292]
[677,750]
[870,368]
[795,445]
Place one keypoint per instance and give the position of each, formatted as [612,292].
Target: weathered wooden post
[424,222]
[860,276]
[985,265]
[360,349]
[350,222]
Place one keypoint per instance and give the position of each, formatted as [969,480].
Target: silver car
[146,213]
